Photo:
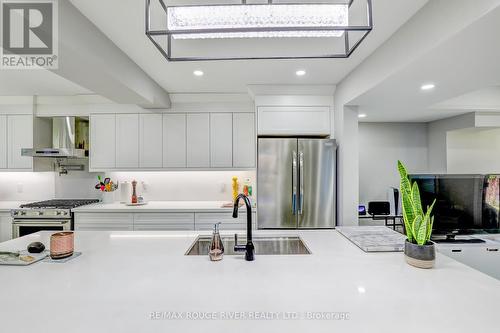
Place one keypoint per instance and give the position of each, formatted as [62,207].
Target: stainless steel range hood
[69,139]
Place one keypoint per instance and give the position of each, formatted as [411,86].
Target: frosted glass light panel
[274,18]
[280,30]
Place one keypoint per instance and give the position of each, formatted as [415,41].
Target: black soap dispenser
[216,251]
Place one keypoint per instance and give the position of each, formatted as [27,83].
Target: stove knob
[23,213]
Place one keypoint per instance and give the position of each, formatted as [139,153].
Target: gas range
[49,208]
[54,215]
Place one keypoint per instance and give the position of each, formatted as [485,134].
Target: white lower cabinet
[163,221]
[160,221]
[206,221]
[104,222]
[5,227]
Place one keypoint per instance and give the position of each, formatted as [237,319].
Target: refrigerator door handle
[294,182]
[301,183]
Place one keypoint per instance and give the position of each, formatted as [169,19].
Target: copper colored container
[62,245]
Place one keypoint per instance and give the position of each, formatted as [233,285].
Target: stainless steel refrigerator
[296,183]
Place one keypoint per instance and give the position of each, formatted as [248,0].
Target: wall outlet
[20,187]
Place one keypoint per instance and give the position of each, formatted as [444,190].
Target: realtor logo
[29,34]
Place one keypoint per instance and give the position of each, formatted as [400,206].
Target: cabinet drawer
[206,221]
[104,221]
[164,221]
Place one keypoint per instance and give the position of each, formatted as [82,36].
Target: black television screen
[460,202]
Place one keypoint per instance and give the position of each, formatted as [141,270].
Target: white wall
[473,151]
[437,139]
[380,147]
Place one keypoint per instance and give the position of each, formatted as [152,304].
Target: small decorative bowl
[62,245]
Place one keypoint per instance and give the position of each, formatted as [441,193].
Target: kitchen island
[143,282]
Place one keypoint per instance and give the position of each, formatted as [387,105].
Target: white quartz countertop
[156,206]
[122,278]
[6,206]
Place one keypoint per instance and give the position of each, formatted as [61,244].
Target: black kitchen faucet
[248,248]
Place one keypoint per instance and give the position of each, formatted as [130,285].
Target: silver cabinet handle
[301,183]
[294,182]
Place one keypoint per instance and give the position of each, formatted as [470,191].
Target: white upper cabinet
[221,140]
[294,120]
[150,140]
[198,140]
[174,140]
[102,141]
[127,141]
[171,141]
[244,140]
[19,135]
[3,142]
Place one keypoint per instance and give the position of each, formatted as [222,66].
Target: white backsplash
[161,186]
[26,186]
[184,185]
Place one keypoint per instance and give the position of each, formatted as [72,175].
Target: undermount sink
[280,245]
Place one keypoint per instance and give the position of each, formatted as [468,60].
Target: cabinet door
[19,135]
[221,140]
[150,140]
[3,142]
[104,222]
[5,227]
[206,221]
[284,120]
[244,140]
[174,140]
[102,141]
[127,140]
[198,140]
[163,221]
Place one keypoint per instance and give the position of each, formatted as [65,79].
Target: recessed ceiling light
[362,115]
[300,72]
[198,73]
[428,86]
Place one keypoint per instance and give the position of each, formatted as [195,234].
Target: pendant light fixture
[255,30]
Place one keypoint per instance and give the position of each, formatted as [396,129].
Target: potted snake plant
[419,250]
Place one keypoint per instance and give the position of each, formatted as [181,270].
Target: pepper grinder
[134,192]
[216,248]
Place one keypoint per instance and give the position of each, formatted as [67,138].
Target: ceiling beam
[90,59]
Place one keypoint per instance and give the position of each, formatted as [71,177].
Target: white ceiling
[123,22]
[36,82]
[464,68]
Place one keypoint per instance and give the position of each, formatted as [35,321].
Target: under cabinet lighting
[428,86]
[264,21]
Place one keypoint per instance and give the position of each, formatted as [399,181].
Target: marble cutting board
[375,238]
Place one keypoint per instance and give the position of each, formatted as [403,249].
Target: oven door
[25,227]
